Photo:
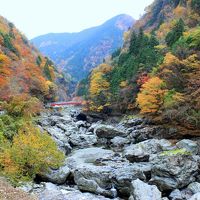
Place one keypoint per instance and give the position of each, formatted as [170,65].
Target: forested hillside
[78,53]
[23,69]
[27,80]
[157,72]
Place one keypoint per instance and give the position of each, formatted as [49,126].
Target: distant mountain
[78,53]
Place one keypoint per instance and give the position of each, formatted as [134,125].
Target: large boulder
[176,195]
[109,132]
[194,187]
[180,194]
[189,145]
[195,196]
[57,176]
[126,173]
[117,143]
[88,156]
[172,170]
[142,191]
[94,179]
[141,152]
[141,133]
[82,140]
[95,170]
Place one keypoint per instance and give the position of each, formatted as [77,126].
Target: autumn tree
[151,96]
[99,86]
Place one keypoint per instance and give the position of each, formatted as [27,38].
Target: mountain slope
[23,70]
[78,53]
[157,71]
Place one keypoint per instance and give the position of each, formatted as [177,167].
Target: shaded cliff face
[78,53]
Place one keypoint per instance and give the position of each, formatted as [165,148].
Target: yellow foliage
[126,35]
[98,82]
[151,95]
[170,59]
[123,84]
[30,153]
[192,61]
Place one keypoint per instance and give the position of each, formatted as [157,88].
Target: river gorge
[118,158]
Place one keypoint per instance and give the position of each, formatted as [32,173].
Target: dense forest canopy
[158,69]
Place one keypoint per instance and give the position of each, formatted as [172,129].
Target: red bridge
[62,104]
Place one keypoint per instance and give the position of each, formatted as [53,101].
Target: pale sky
[37,17]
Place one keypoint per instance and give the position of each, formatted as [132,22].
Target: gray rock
[77,195]
[63,146]
[57,176]
[53,192]
[195,196]
[119,142]
[189,145]
[88,156]
[97,170]
[142,133]
[124,175]
[132,122]
[141,152]
[173,171]
[142,191]
[194,187]
[52,195]
[94,179]
[81,124]
[109,132]
[176,195]
[83,140]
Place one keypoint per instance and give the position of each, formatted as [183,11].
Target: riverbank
[117,159]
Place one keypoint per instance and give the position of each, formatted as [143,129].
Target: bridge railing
[62,104]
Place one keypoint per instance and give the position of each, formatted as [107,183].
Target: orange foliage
[19,72]
[151,95]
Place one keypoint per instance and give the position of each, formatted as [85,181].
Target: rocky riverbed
[129,158]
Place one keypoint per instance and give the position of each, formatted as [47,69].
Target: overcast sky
[37,17]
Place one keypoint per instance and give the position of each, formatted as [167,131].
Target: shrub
[31,153]
[23,106]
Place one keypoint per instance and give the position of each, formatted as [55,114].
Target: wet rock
[189,145]
[142,191]
[141,152]
[109,132]
[173,171]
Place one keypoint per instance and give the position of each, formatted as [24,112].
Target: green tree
[175,33]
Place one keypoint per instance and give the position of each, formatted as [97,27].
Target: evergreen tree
[175,33]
